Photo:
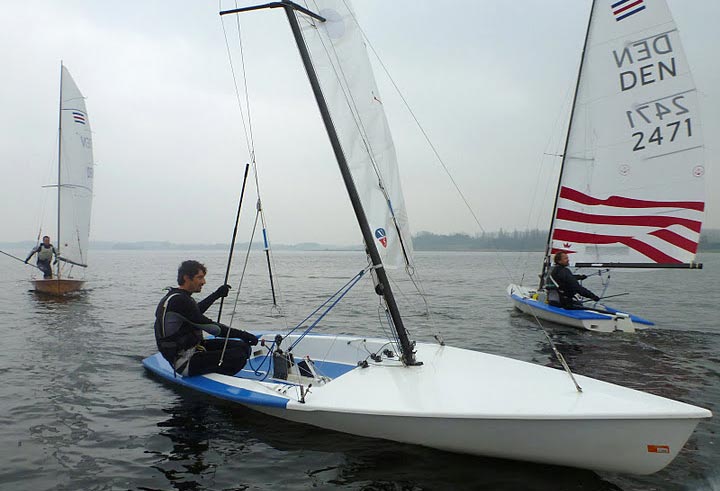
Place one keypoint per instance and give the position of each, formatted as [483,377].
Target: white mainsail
[632,186]
[76,174]
[346,77]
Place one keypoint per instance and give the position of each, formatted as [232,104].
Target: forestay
[631,189]
[76,174]
[340,59]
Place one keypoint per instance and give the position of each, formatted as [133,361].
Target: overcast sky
[491,82]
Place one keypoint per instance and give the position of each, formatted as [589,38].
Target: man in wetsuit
[45,253]
[179,326]
[563,285]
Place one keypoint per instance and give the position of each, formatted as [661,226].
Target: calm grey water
[77,410]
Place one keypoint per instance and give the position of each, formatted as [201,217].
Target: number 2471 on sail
[657,135]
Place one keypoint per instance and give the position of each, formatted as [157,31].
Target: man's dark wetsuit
[566,284]
[179,326]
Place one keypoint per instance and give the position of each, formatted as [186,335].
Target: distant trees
[709,241]
[517,240]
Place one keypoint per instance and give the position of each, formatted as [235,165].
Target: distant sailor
[45,253]
[563,285]
[179,326]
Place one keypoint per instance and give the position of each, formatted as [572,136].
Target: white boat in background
[74,190]
[533,302]
[631,188]
[427,394]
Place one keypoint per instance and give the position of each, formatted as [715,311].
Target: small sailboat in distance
[423,393]
[631,187]
[74,190]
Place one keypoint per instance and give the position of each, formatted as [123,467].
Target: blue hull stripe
[159,366]
[577,314]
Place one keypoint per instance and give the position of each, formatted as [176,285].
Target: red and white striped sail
[632,185]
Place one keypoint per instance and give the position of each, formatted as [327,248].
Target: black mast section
[234,236]
[546,259]
[383,287]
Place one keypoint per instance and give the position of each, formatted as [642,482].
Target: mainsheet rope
[334,298]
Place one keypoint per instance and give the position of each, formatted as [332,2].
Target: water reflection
[216,445]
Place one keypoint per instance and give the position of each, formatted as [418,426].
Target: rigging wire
[352,105]
[550,151]
[250,143]
[244,269]
[230,256]
[50,175]
[453,181]
[232,243]
[247,128]
[333,300]
[344,84]
[347,287]
[270,259]
[559,355]
[424,133]
[362,130]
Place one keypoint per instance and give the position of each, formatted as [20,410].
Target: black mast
[383,287]
[546,258]
[58,249]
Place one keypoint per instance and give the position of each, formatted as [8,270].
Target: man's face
[195,284]
[564,260]
[46,240]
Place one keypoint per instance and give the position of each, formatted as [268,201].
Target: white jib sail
[76,174]
[346,77]
[632,188]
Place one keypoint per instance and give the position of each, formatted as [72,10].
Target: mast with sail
[75,175]
[59,178]
[546,257]
[356,127]
[631,188]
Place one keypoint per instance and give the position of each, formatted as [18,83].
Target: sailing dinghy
[74,189]
[420,393]
[631,187]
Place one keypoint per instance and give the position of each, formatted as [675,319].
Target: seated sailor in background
[179,326]
[45,253]
[563,285]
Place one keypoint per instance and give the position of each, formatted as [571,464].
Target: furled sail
[76,174]
[632,186]
[340,58]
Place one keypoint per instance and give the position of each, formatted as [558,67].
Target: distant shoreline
[516,241]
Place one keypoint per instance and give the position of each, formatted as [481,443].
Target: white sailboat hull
[466,401]
[603,445]
[524,300]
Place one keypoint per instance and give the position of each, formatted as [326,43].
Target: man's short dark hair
[189,268]
[46,237]
[558,256]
